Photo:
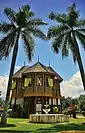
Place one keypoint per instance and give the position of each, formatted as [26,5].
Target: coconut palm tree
[68,34]
[21,25]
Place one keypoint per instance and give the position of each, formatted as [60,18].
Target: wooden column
[33,81]
[35,98]
[52,105]
[43,103]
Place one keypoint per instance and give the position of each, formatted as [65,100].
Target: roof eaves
[18,71]
[61,79]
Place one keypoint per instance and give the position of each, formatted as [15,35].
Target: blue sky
[42,8]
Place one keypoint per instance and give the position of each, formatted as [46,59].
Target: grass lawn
[23,126]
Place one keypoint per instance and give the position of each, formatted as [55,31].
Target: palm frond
[81,38]
[28,12]
[80,24]
[81,30]
[71,8]
[5,27]
[10,14]
[72,12]
[73,15]
[64,46]
[57,30]
[28,45]
[58,41]
[25,8]
[35,22]
[21,19]
[6,45]
[56,44]
[36,32]
[61,18]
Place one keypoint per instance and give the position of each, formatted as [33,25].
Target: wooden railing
[39,91]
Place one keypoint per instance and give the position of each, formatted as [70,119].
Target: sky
[65,68]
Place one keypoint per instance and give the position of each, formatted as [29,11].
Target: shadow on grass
[14,131]
[7,125]
[62,127]
[54,129]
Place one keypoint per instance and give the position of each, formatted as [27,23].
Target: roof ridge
[43,66]
[31,66]
[27,68]
[35,65]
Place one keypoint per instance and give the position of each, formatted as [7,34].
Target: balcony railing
[38,91]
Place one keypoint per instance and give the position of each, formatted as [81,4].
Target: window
[39,80]
[49,101]
[59,102]
[13,84]
[49,82]
[27,82]
[38,107]
[54,101]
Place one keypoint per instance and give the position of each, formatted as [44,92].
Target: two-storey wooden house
[33,86]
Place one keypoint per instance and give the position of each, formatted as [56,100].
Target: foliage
[55,110]
[83,113]
[81,101]
[67,101]
[66,35]
[24,23]
[62,35]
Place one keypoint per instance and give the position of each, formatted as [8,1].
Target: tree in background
[21,25]
[68,34]
[81,101]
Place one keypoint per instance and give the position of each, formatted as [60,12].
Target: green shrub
[83,113]
[55,110]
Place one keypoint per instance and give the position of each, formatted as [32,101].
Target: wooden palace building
[33,87]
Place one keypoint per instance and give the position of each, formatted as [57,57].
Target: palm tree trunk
[79,60]
[15,51]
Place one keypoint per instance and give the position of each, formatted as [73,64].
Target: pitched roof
[38,67]
[18,74]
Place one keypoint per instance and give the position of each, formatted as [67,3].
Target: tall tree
[68,34]
[21,25]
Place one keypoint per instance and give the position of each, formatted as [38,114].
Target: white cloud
[72,87]
[4,82]
[3,85]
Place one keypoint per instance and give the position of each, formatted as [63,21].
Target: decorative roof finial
[24,63]
[38,59]
[49,63]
